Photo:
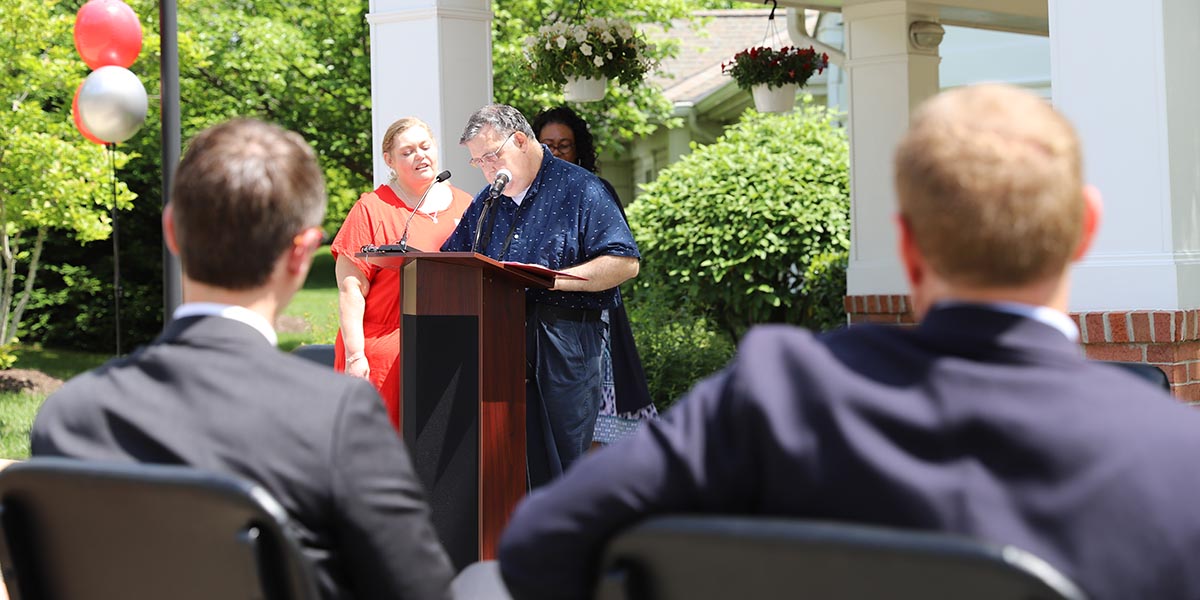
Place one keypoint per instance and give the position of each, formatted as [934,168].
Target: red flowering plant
[775,68]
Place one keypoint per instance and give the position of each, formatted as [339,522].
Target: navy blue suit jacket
[976,422]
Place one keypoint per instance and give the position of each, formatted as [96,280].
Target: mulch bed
[28,380]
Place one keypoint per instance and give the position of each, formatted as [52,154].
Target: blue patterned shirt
[566,218]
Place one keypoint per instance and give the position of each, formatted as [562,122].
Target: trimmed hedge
[732,231]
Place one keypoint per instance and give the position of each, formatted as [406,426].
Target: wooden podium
[462,389]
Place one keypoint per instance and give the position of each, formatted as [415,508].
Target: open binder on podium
[539,270]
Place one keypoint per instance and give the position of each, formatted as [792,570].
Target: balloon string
[116,235]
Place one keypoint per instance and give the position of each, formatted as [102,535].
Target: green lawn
[316,303]
[17,410]
[60,364]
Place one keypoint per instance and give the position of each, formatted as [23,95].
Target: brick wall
[892,309]
[1168,339]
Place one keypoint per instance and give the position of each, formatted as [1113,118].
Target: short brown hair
[242,192]
[990,183]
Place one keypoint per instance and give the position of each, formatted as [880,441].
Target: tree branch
[27,291]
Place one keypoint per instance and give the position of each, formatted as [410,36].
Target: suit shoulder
[786,340]
[306,373]
[85,386]
[777,356]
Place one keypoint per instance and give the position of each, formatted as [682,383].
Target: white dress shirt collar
[519,197]
[229,311]
[1041,314]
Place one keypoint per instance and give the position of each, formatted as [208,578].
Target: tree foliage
[303,65]
[732,228]
[51,179]
[627,111]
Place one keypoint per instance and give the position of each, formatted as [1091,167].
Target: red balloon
[79,121]
[107,32]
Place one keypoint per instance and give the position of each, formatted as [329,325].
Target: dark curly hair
[585,147]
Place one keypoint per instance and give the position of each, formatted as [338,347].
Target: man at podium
[546,211]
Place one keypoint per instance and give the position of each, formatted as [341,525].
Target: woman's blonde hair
[399,127]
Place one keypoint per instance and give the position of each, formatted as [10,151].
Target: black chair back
[75,529]
[322,354]
[1150,373]
[697,558]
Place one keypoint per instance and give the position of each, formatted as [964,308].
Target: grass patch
[316,303]
[17,410]
[322,275]
[57,363]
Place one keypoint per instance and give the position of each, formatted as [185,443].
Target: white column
[1127,77]
[431,59]
[888,78]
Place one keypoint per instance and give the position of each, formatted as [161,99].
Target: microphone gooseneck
[503,176]
[403,243]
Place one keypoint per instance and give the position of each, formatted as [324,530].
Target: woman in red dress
[368,340]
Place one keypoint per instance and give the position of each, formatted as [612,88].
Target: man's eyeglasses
[492,156]
[563,146]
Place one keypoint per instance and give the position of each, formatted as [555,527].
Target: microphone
[503,176]
[403,243]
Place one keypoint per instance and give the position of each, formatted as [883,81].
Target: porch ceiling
[1020,16]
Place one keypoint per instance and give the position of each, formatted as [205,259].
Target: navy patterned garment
[566,218]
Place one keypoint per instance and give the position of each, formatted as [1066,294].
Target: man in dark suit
[214,392]
[985,420]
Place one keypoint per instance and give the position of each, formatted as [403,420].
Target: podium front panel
[441,425]
[462,392]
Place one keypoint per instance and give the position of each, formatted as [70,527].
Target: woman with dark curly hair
[625,392]
[567,136]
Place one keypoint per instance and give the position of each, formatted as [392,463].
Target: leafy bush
[677,348]
[824,289]
[72,304]
[731,230]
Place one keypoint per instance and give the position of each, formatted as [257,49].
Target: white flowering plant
[596,48]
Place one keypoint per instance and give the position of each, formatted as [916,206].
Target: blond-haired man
[985,420]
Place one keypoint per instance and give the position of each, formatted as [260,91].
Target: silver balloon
[112,103]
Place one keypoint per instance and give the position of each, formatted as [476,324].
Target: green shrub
[731,229]
[824,289]
[677,348]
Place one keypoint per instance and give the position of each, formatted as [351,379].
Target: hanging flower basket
[774,100]
[599,49]
[789,67]
[585,89]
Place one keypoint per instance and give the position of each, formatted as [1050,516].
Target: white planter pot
[776,100]
[585,90]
